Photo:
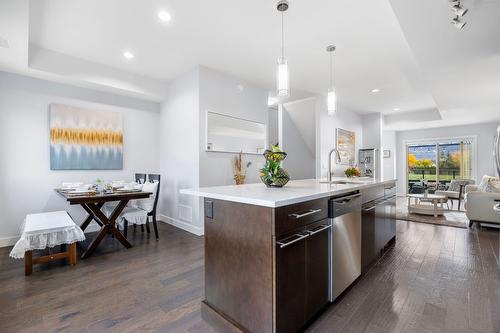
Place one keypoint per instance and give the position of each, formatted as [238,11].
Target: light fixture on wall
[332,94]
[282,75]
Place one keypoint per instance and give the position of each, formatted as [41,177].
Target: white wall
[184,160]
[389,164]
[325,135]
[485,142]
[179,144]
[299,138]
[27,182]
[372,138]
[227,95]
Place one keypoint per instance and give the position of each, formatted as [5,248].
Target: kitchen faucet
[330,172]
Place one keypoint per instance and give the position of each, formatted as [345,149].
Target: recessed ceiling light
[396,109]
[375,90]
[128,55]
[164,16]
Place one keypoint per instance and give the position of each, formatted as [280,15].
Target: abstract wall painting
[346,145]
[82,139]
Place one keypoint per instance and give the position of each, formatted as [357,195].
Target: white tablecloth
[43,230]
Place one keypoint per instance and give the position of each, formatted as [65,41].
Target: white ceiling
[461,67]
[406,48]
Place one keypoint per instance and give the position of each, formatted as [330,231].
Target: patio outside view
[439,163]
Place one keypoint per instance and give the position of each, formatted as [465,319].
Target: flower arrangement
[240,169]
[272,174]
[352,172]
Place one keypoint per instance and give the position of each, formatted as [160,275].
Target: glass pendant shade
[283,78]
[332,101]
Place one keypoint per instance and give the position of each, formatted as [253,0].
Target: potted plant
[352,172]
[272,174]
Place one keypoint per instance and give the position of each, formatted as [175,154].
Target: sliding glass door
[432,165]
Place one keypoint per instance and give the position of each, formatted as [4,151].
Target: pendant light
[282,75]
[332,95]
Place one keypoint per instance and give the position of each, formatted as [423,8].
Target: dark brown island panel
[267,269]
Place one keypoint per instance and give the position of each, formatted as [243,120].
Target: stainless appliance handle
[310,212]
[346,199]
[324,227]
[301,237]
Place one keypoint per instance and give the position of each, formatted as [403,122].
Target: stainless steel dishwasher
[345,252]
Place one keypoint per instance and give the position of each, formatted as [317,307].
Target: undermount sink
[340,182]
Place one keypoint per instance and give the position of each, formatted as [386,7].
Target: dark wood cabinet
[368,250]
[378,224]
[267,269]
[317,274]
[303,276]
[290,291]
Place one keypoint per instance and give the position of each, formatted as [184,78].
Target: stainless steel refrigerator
[369,162]
[497,151]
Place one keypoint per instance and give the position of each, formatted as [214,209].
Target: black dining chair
[151,178]
[140,178]
[154,178]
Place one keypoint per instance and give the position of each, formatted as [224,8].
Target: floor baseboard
[8,241]
[181,225]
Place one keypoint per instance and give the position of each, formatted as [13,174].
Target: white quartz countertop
[293,192]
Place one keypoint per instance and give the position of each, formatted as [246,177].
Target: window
[432,165]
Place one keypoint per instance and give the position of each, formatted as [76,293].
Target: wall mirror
[233,135]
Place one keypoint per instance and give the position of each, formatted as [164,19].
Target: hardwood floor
[435,279]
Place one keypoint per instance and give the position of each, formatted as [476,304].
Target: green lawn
[418,176]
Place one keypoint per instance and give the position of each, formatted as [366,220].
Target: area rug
[452,218]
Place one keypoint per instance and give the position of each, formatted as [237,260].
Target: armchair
[455,190]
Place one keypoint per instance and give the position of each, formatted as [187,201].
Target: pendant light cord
[282,37]
[331,69]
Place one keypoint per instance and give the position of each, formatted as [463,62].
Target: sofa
[481,199]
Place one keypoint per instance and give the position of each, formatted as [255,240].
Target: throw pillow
[492,186]
[484,183]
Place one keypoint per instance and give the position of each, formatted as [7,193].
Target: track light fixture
[457,23]
[458,12]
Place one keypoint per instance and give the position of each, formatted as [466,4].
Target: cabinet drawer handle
[309,212]
[301,237]
[346,199]
[371,208]
[324,227]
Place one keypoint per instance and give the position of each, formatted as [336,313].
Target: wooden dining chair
[139,176]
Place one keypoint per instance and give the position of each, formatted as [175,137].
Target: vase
[239,178]
[273,175]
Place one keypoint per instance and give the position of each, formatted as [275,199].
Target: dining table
[92,203]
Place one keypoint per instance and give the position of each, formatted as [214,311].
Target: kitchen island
[269,252]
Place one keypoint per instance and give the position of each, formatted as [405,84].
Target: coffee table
[430,204]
